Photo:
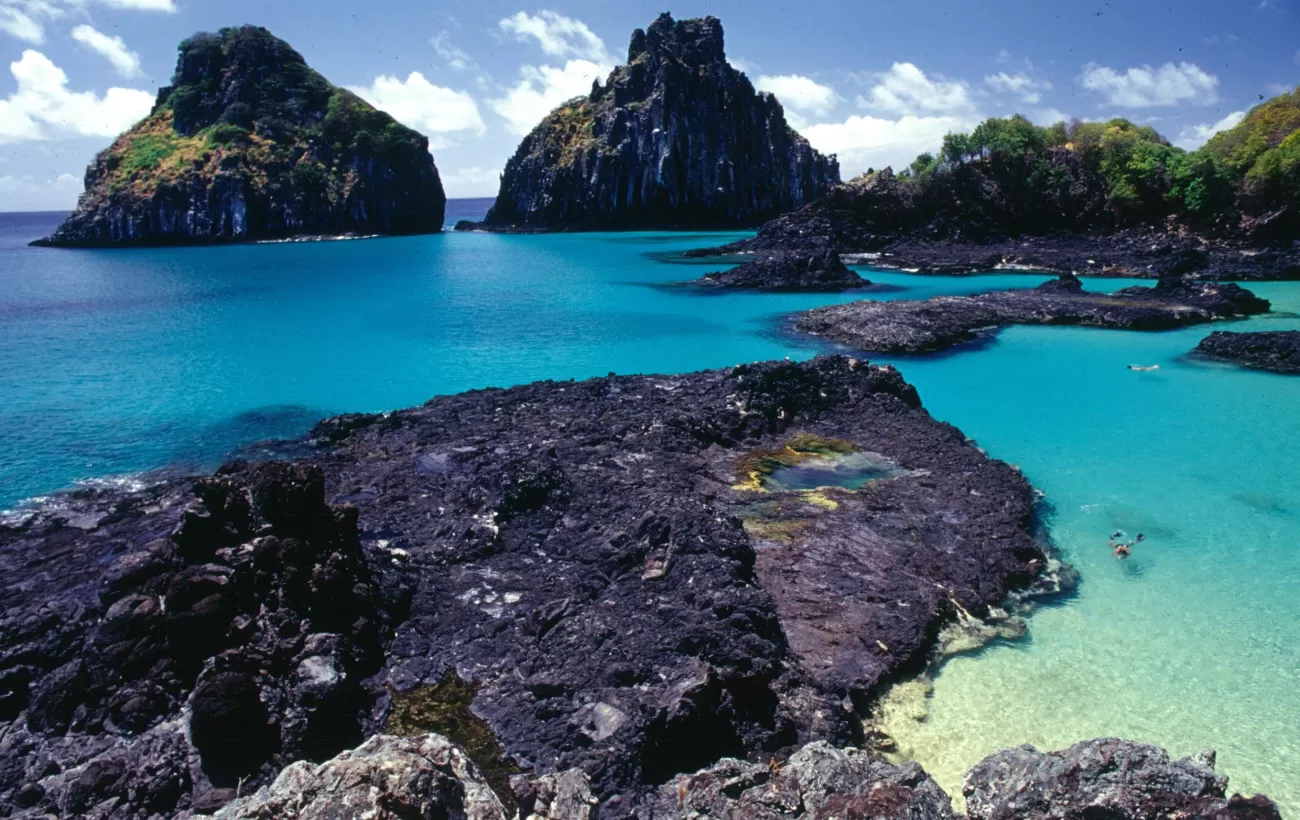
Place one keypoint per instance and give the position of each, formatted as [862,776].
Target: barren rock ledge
[640,578]
[1277,351]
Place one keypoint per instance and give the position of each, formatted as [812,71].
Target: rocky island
[676,138]
[1278,351]
[250,143]
[943,321]
[818,272]
[1101,199]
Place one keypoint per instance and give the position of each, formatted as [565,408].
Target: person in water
[1121,549]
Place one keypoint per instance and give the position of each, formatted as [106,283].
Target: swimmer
[1121,549]
[1143,368]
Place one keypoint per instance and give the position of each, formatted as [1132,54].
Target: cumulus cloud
[44,108]
[125,61]
[1047,116]
[1144,86]
[908,91]
[26,19]
[455,56]
[559,36]
[471,182]
[1023,86]
[28,193]
[864,142]
[418,103]
[923,107]
[800,93]
[541,89]
[1194,136]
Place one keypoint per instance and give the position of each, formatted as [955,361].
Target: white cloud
[30,194]
[800,93]
[541,89]
[1004,56]
[1044,117]
[142,5]
[471,182]
[559,36]
[874,142]
[1145,86]
[1026,88]
[455,56]
[907,90]
[1194,136]
[420,104]
[113,49]
[24,19]
[44,108]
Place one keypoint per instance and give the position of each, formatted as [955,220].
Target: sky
[874,81]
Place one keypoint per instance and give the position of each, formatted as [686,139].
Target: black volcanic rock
[1278,351]
[676,138]
[250,143]
[936,324]
[621,575]
[1105,778]
[813,272]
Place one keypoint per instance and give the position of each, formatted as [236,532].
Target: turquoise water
[116,362]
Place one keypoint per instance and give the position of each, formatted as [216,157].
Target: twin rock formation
[249,143]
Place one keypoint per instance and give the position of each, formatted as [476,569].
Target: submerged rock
[941,322]
[814,272]
[1106,778]
[677,138]
[250,143]
[1278,351]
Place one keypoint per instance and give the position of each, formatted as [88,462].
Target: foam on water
[112,363]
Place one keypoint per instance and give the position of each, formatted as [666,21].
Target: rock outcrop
[677,138]
[633,576]
[1106,778]
[1278,351]
[822,272]
[939,323]
[250,143]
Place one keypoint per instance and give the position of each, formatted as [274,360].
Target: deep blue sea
[115,362]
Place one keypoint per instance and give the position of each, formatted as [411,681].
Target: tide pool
[117,362]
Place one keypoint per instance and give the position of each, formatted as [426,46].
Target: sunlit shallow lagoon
[118,362]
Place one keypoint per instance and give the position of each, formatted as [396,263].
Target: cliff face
[675,138]
[250,143]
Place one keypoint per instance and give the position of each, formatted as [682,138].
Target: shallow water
[115,362]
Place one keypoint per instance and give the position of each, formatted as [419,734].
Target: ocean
[113,363]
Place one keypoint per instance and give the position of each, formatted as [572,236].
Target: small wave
[343,237]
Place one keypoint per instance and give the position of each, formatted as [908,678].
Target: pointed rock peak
[695,42]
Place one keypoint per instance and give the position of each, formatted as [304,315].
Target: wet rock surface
[941,322]
[1105,778]
[812,272]
[676,138]
[616,568]
[1277,351]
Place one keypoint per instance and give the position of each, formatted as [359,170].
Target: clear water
[114,362]
[852,471]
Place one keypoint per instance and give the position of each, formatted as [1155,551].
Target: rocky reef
[939,323]
[1278,351]
[390,778]
[561,600]
[822,272]
[250,143]
[676,138]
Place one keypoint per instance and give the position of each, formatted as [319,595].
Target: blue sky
[875,82]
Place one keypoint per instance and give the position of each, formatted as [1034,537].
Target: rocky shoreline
[941,322]
[634,577]
[787,272]
[1277,351]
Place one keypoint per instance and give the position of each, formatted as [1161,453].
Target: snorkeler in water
[1122,549]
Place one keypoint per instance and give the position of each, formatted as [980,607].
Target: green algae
[445,708]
